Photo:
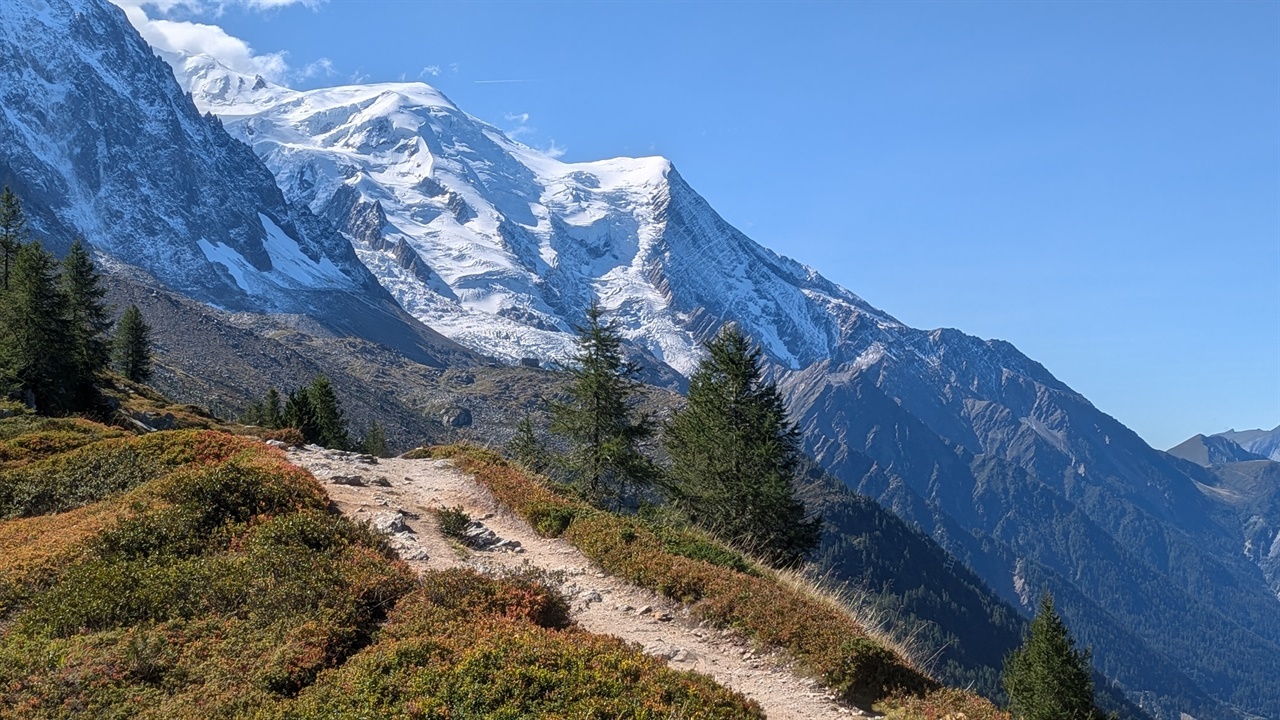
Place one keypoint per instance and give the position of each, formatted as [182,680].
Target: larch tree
[735,455]
[374,441]
[300,414]
[525,447]
[598,419]
[331,426]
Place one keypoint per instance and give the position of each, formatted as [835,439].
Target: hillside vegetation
[196,573]
[723,589]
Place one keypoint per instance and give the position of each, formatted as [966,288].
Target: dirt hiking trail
[398,495]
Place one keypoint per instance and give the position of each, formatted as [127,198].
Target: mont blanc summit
[499,246]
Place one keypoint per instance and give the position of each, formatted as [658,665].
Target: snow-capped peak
[218,89]
[501,247]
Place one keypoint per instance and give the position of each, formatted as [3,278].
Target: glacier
[500,247]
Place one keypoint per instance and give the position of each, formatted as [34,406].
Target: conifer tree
[734,454]
[265,412]
[272,416]
[12,233]
[375,441]
[525,448]
[132,351]
[598,419]
[88,321]
[299,414]
[1048,678]
[331,427]
[34,335]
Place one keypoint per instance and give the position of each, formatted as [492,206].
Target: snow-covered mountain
[100,142]
[501,247]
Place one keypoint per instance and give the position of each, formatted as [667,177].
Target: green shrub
[453,521]
[102,468]
[28,438]
[467,645]
[551,520]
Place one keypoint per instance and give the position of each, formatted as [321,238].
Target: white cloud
[184,36]
[521,128]
[553,150]
[273,4]
[430,70]
[319,68]
[180,36]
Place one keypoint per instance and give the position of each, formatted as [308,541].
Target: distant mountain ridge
[1211,450]
[499,247]
[1259,442]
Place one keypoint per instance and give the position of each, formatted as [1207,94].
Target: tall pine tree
[88,321]
[1048,678]
[734,454]
[599,420]
[132,346]
[12,233]
[35,338]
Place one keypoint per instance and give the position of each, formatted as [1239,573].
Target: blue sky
[1098,183]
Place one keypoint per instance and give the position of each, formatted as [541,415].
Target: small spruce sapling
[132,347]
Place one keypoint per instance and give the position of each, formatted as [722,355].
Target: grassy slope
[195,573]
[722,590]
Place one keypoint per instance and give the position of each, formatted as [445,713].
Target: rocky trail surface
[398,496]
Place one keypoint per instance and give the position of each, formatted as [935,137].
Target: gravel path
[398,495]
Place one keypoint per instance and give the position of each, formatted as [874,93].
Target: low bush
[102,468]
[718,584]
[453,521]
[467,645]
[941,704]
[28,438]
[221,586]
[291,437]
